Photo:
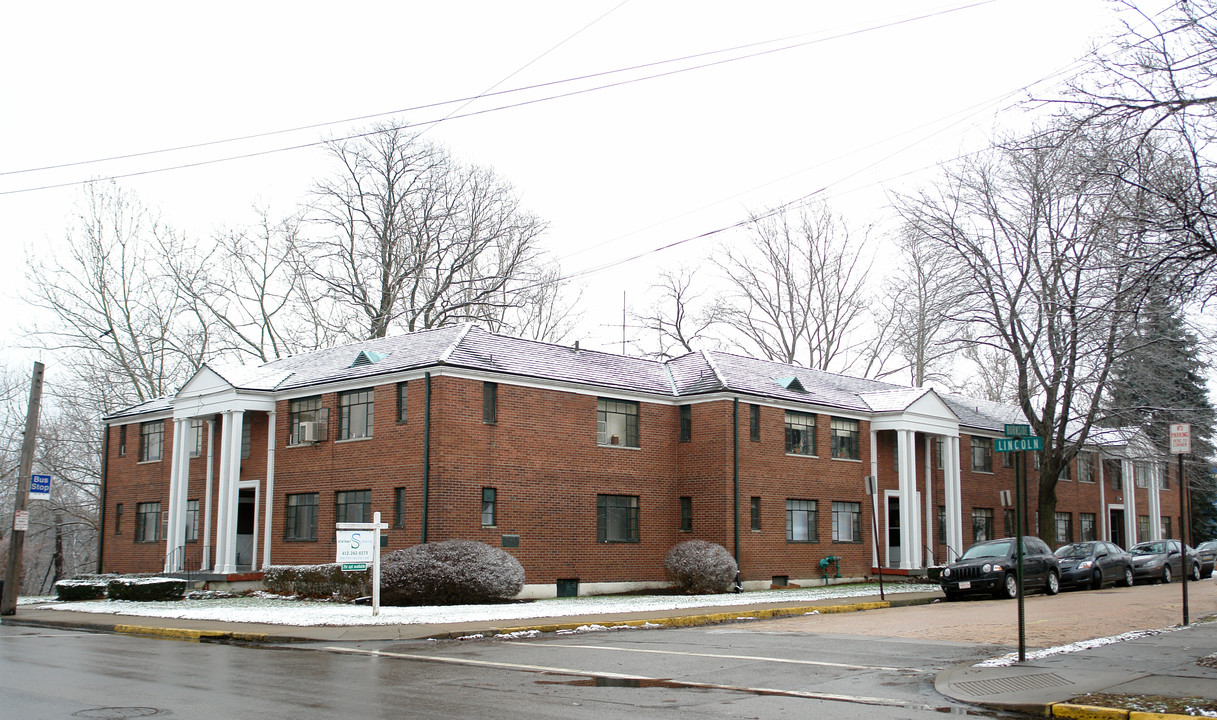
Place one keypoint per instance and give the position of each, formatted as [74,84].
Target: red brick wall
[542,458]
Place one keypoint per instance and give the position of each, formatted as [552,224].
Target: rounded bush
[452,572]
[697,566]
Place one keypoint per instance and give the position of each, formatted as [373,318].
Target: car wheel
[1054,583]
[1096,582]
[1128,578]
[1166,574]
[1196,573]
[1009,587]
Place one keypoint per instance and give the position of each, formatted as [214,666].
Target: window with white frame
[982,454]
[801,521]
[616,422]
[192,521]
[194,437]
[307,421]
[301,523]
[982,524]
[845,438]
[355,414]
[151,440]
[147,522]
[800,433]
[617,518]
[846,521]
[1064,528]
[1085,467]
[1087,527]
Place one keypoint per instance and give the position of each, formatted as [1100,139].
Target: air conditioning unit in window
[310,432]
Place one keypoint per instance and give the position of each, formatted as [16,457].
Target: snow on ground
[287,611]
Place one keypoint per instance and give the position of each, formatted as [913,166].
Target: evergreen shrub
[326,580]
[452,572]
[700,567]
[146,588]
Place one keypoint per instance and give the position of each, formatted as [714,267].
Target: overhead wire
[465,102]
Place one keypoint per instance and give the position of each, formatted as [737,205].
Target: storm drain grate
[1018,683]
[117,713]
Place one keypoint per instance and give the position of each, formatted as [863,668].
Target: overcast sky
[838,99]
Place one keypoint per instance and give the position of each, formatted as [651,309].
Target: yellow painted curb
[707,618]
[1138,715]
[1087,712]
[169,633]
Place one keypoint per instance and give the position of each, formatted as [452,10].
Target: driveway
[1065,618]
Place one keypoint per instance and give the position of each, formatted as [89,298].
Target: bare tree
[1041,234]
[108,305]
[1152,91]
[249,289]
[919,309]
[410,237]
[680,318]
[544,308]
[797,289]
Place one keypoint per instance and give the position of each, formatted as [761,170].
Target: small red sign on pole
[1181,438]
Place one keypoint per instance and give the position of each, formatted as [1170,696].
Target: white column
[953,496]
[173,538]
[232,458]
[929,500]
[1155,502]
[874,471]
[182,459]
[1128,474]
[211,455]
[270,486]
[1104,514]
[910,526]
[222,541]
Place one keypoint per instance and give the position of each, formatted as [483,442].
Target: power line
[464,102]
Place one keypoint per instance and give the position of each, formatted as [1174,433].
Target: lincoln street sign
[1015,444]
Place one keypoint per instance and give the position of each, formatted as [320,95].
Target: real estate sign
[356,546]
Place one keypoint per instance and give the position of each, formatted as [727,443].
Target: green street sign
[1018,443]
[1018,431]
[354,567]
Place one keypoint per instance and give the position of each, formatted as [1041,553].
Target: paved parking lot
[1062,619]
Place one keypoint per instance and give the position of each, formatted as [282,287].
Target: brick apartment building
[586,466]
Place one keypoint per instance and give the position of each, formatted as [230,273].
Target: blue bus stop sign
[40,487]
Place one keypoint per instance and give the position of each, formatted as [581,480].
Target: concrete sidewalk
[212,630]
[1181,663]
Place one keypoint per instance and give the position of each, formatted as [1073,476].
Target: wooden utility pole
[12,571]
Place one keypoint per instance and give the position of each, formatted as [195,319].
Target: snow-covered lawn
[270,609]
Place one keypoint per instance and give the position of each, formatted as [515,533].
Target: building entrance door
[1116,526]
[893,530]
[245,529]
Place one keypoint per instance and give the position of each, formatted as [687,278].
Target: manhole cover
[117,713]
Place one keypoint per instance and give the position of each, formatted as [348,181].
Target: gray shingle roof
[698,373]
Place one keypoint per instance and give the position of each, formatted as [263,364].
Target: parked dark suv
[988,567]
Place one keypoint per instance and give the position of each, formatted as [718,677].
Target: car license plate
[965,585]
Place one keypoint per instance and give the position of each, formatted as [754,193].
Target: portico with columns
[210,398]
[908,413]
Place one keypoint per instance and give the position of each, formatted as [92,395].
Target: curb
[1092,712]
[698,620]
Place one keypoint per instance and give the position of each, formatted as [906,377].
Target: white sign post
[357,547]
